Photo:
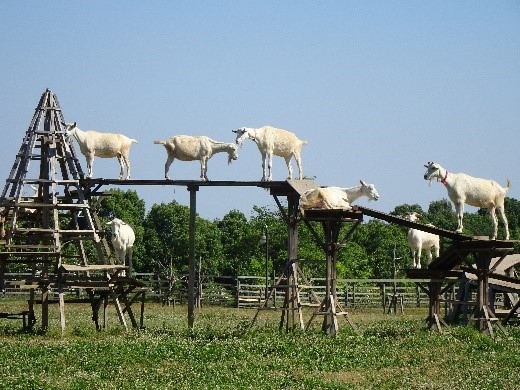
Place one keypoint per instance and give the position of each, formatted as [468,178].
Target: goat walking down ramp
[465,189]
[420,240]
[271,140]
[190,148]
[105,145]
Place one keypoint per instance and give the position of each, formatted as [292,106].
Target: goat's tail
[508,185]
[159,142]
[133,141]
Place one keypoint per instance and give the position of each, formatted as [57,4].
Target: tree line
[232,245]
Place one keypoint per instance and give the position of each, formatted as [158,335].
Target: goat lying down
[105,145]
[465,189]
[421,241]
[190,148]
[326,198]
[273,141]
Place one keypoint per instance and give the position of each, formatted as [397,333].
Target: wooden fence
[250,291]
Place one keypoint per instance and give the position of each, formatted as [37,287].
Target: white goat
[465,189]
[123,238]
[336,197]
[104,145]
[190,148]
[271,140]
[420,240]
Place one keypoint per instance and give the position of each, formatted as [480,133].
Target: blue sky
[377,88]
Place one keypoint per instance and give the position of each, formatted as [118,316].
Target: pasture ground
[388,352]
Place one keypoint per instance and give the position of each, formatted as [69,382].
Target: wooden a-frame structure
[52,229]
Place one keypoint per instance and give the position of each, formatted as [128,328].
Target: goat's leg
[269,167]
[167,164]
[504,220]
[429,255]
[289,167]
[130,251]
[90,163]
[263,167]
[494,219]
[203,168]
[299,165]
[126,160]
[459,208]
[121,166]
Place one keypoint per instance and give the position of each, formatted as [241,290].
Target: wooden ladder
[45,206]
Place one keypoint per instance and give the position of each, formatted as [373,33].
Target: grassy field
[388,352]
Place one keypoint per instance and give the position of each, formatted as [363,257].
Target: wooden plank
[300,186]
[403,222]
[92,267]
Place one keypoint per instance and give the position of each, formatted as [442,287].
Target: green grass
[388,352]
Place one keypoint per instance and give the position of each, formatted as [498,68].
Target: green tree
[512,207]
[442,215]
[277,231]
[235,238]
[404,209]
[166,233]
[379,240]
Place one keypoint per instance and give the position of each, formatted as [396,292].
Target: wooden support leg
[141,320]
[62,309]
[128,308]
[512,312]
[119,311]
[95,304]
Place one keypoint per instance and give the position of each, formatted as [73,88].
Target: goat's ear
[234,131]
[426,166]
[363,183]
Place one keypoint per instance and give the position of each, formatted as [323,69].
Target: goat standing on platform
[465,189]
[420,240]
[271,140]
[123,238]
[105,145]
[190,148]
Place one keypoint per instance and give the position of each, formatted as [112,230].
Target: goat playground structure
[56,231]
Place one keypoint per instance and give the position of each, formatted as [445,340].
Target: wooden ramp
[403,222]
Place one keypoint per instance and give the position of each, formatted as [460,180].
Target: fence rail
[250,291]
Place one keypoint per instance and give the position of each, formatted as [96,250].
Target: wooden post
[191,278]
[331,230]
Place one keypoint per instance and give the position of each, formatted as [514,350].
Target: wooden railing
[249,291]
